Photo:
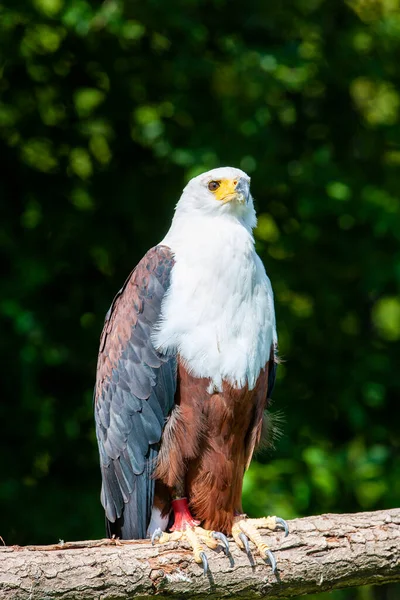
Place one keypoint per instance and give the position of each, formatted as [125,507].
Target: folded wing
[135,389]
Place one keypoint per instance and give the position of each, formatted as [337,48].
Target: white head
[222,192]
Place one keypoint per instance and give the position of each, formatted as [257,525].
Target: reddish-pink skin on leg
[183,518]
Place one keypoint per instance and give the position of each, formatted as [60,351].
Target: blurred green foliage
[106,109]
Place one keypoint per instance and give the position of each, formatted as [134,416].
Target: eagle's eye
[213,185]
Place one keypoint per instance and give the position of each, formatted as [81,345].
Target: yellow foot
[194,536]
[245,529]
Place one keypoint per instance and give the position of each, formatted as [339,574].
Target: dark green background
[106,110]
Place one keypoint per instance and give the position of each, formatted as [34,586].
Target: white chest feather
[219,313]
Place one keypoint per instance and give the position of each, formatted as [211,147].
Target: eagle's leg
[187,528]
[244,529]
[183,517]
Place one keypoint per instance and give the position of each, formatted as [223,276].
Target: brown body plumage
[207,445]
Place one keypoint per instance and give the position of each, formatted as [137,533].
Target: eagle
[186,365]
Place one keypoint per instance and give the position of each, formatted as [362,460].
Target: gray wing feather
[135,393]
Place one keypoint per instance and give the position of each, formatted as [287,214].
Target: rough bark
[321,553]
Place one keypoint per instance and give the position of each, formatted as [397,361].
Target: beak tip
[243,189]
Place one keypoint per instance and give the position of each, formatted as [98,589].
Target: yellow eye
[213,185]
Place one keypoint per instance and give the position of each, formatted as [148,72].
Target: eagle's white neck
[218,313]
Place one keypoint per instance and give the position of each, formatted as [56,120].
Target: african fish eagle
[186,364]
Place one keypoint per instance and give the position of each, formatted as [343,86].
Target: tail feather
[136,513]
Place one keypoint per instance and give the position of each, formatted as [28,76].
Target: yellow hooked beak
[230,190]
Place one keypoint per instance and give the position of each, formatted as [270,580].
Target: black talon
[156,536]
[271,558]
[283,524]
[217,535]
[245,542]
[205,562]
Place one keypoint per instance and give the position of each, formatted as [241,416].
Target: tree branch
[321,553]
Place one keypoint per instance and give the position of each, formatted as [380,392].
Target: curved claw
[283,524]
[156,536]
[217,535]
[245,542]
[205,562]
[271,558]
